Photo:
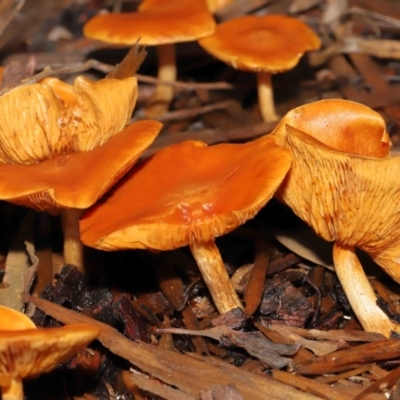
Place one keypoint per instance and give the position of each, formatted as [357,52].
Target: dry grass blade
[334,334]
[344,375]
[351,358]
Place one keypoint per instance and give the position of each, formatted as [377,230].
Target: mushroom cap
[157,22]
[347,198]
[31,352]
[343,125]
[184,193]
[270,43]
[12,320]
[344,196]
[78,179]
[53,118]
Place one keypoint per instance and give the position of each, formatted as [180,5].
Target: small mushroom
[345,185]
[157,23]
[189,194]
[70,149]
[27,353]
[265,45]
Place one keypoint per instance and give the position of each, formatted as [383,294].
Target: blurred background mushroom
[265,45]
[189,194]
[348,193]
[157,23]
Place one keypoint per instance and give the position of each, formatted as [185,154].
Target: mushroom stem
[266,97]
[359,292]
[160,101]
[13,391]
[215,276]
[73,247]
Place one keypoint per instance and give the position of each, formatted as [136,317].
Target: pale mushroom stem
[73,247]
[215,276]
[14,391]
[266,97]
[359,292]
[160,101]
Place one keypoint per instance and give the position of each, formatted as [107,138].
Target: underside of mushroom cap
[29,353]
[342,196]
[76,180]
[187,192]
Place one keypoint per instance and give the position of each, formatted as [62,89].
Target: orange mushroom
[202,193]
[27,352]
[12,320]
[266,45]
[70,149]
[158,23]
[348,193]
[215,5]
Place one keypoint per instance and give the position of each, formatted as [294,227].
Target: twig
[185,85]
[191,112]
[106,68]
[372,14]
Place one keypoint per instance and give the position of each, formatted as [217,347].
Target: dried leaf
[130,64]
[255,343]
[17,263]
[318,347]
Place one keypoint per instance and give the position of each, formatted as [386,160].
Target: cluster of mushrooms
[68,154]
